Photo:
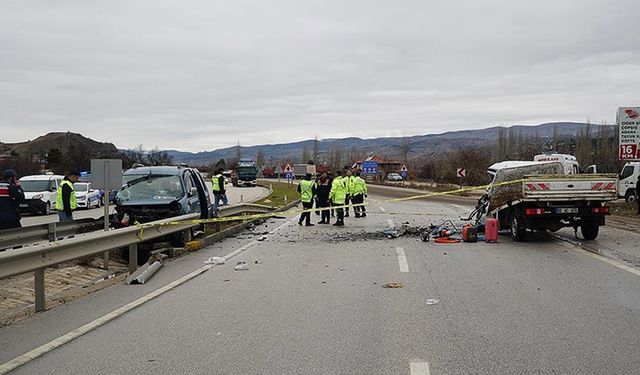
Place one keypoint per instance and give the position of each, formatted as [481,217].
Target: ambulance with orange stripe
[549,195]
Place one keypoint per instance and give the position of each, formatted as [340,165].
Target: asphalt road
[234,194]
[314,304]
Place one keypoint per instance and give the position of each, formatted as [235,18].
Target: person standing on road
[348,179]
[66,199]
[11,195]
[359,192]
[338,195]
[323,188]
[219,192]
[307,190]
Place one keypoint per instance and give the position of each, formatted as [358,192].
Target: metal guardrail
[47,232]
[37,257]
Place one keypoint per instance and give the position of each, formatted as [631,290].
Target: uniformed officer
[11,195]
[359,192]
[308,191]
[219,192]
[66,199]
[338,195]
[348,179]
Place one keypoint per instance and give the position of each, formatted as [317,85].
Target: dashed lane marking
[58,342]
[420,368]
[382,209]
[402,260]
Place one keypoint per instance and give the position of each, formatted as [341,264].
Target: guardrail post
[133,258]
[105,260]
[41,299]
[51,232]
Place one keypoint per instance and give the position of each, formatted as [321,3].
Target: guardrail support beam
[105,260]
[41,299]
[52,232]
[133,258]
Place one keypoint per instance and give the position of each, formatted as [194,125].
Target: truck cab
[569,162]
[628,180]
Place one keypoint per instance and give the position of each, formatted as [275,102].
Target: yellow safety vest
[72,198]
[359,186]
[216,183]
[338,192]
[306,191]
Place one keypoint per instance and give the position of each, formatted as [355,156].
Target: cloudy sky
[195,76]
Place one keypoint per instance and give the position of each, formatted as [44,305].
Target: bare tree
[260,157]
[157,157]
[238,152]
[405,148]
[316,150]
[305,154]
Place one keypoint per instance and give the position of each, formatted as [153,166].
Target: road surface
[313,302]
[234,194]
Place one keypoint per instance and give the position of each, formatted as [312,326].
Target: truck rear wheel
[518,231]
[589,229]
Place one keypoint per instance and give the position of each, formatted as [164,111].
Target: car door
[206,208]
[192,192]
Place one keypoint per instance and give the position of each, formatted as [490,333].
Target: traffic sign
[461,172]
[370,167]
[628,119]
[404,172]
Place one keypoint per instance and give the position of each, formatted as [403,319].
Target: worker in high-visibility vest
[66,199]
[348,180]
[219,192]
[359,192]
[307,190]
[338,195]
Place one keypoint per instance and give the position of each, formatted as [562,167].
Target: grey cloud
[202,75]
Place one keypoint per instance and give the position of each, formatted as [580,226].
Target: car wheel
[518,232]
[631,197]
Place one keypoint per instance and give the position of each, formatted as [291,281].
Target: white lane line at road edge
[419,368]
[390,222]
[382,209]
[402,260]
[599,257]
[58,342]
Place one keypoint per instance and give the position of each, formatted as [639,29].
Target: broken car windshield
[144,187]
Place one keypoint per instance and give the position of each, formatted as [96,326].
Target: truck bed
[592,187]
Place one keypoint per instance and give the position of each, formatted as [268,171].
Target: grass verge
[283,193]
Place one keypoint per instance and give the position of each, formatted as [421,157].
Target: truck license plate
[567,210]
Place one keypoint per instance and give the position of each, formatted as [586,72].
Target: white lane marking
[612,262]
[58,342]
[382,209]
[402,260]
[390,222]
[420,368]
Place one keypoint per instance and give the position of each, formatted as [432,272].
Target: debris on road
[241,266]
[432,301]
[393,285]
[215,260]
[145,272]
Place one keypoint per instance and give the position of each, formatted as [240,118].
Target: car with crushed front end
[160,192]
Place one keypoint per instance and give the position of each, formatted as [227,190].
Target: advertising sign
[628,120]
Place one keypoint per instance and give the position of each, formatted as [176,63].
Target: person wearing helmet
[11,195]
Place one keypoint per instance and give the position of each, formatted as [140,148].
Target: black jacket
[11,196]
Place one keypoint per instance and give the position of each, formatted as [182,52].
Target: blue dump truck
[246,173]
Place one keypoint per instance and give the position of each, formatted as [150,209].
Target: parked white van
[627,181]
[40,192]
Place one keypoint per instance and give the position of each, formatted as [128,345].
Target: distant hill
[389,146]
[61,141]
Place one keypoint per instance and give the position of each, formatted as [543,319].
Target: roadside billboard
[628,120]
